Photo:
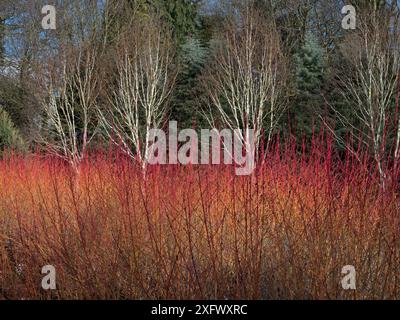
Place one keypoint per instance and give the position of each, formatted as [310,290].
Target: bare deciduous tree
[145,79]
[246,78]
[71,77]
[373,52]
[70,104]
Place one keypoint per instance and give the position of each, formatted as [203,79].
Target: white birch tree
[70,106]
[245,81]
[145,79]
[373,53]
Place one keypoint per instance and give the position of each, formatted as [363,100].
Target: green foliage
[19,103]
[186,96]
[182,16]
[1,41]
[10,138]
[309,63]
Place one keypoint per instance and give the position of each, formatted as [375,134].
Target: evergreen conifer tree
[309,63]
[185,100]
[10,138]
[1,41]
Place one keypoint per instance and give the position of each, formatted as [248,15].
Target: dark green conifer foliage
[309,63]
[10,138]
[185,102]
